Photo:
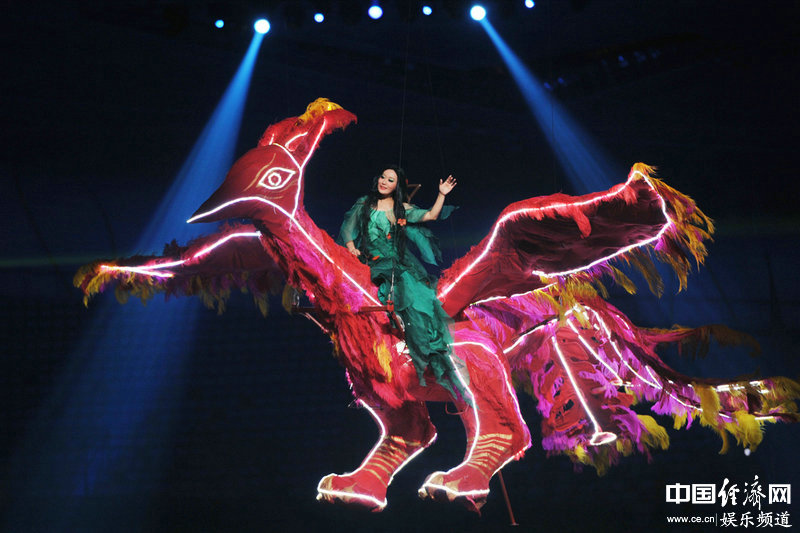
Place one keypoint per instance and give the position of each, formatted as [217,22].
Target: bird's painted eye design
[275,177]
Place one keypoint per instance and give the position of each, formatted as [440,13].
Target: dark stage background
[241,415]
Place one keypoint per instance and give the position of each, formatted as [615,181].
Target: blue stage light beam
[478,12]
[104,430]
[585,164]
[319,17]
[427,10]
[206,165]
[375,12]
[219,23]
[262,26]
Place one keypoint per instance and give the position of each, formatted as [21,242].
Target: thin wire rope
[439,145]
[436,120]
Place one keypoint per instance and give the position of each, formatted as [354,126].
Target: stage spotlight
[319,17]
[262,26]
[477,12]
[219,23]
[427,10]
[375,12]
[529,3]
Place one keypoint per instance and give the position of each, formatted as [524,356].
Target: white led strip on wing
[500,222]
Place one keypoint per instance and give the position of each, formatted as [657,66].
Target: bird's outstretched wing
[559,240]
[209,267]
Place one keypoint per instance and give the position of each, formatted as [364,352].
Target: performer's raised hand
[447,185]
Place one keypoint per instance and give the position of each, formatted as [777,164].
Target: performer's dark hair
[400,194]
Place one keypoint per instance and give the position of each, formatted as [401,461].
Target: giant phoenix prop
[529,314]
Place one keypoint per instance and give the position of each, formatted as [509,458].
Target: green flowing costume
[427,332]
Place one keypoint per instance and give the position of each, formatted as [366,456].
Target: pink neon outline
[506,379]
[621,358]
[599,438]
[598,430]
[357,495]
[494,298]
[619,381]
[293,139]
[513,395]
[555,206]
[735,386]
[225,239]
[136,270]
[272,187]
[457,493]
[522,337]
[302,229]
[303,166]
[291,216]
[299,173]
[655,385]
[150,270]
[602,437]
[615,254]
[650,371]
[474,410]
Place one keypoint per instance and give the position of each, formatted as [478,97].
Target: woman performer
[376,229]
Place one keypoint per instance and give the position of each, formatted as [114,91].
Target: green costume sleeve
[426,242]
[423,238]
[351,227]
[414,214]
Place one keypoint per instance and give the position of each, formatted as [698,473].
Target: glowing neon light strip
[619,380]
[150,270]
[299,226]
[474,410]
[720,388]
[300,174]
[506,379]
[522,337]
[597,429]
[494,298]
[291,216]
[222,241]
[654,385]
[500,222]
[269,177]
[136,270]
[293,139]
[615,254]
[302,167]
[367,459]
[622,359]
[477,430]
[625,362]
[733,386]
[477,492]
